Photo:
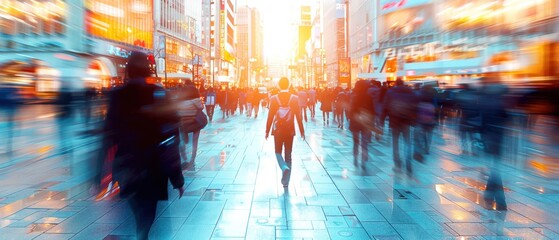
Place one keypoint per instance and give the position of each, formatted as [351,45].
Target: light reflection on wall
[32,17]
[127,21]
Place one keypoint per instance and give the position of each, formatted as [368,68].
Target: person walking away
[303,102]
[494,119]
[361,121]
[146,133]
[425,123]
[340,105]
[284,110]
[189,105]
[256,98]
[242,101]
[210,102]
[374,92]
[312,102]
[250,96]
[470,118]
[400,106]
[326,100]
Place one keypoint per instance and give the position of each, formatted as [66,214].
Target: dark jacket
[400,104]
[138,122]
[284,98]
[361,113]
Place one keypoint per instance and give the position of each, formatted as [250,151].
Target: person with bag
[284,110]
[144,127]
[361,120]
[192,120]
[210,99]
[400,104]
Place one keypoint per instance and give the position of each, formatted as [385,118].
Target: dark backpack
[284,115]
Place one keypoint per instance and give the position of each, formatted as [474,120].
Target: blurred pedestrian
[361,120]
[189,106]
[341,103]
[303,102]
[145,130]
[312,101]
[242,101]
[256,98]
[425,122]
[470,118]
[400,104]
[284,110]
[210,101]
[494,118]
[326,100]
[10,99]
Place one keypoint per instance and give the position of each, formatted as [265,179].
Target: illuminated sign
[119,52]
[394,4]
[429,49]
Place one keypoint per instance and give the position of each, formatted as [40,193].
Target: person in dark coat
[400,104]
[145,130]
[494,118]
[326,100]
[361,120]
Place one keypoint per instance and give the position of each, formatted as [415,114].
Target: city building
[223,29]
[363,33]
[180,44]
[74,45]
[250,40]
[454,42]
[317,52]
[334,44]
[300,60]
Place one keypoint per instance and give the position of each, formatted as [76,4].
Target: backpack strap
[288,103]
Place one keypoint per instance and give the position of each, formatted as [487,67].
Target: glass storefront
[126,21]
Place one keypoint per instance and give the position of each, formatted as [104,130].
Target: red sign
[394,4]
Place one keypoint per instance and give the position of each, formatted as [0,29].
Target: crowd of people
[149,127]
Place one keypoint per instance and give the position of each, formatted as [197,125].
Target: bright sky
[278,17]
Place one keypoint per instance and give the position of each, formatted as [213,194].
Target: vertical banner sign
[222,30]
[161,46]
[344,69]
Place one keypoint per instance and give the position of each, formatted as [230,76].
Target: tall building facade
[73,45]
[250,46]
[334,40]
[316,51]
[223,24]
[457,41]
[362,35]
[179,45]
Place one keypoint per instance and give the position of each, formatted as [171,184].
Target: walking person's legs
[144,210]
[396,148]
[279,142]
[408,147]
[195,138]
[355,135]
[365,139]
[288,144]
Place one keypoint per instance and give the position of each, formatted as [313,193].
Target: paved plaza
[235,191]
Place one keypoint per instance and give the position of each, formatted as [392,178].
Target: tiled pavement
[235,191]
